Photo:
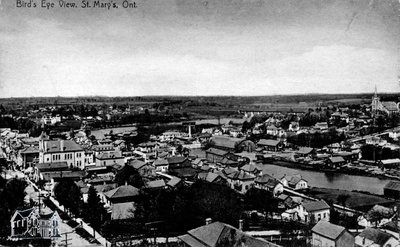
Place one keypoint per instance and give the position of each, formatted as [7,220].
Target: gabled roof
[226,141]
[241,175]
[213,234]
[293,180]
[229,170]
[267,180]
[328,230]
[252,168]
[62,146]
[137,164]
[48,216]
[337,159]
[25,213]
[216,151]
[30,150]
[174,181]
[209,176]
[268,142]
[122,192]
[43,167]
[375,235]
[109,155]
[305,150]
[160,162]
[390,105]
[105,187]
[393,185]
[272,127]
[316,206]
[176,160]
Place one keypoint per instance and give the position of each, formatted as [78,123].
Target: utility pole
[65,241]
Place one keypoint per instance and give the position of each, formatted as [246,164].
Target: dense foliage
[12,193]
[69,195]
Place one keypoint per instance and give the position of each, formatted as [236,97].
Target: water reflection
[331,180]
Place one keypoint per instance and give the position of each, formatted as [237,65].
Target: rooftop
[328,230]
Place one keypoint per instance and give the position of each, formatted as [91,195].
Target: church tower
[375,105]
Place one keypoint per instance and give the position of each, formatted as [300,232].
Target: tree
[94,209]
[12,193]
[261,200]
[69,195]
[129,175]
[342,198]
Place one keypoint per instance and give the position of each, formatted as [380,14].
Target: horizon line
[216,95]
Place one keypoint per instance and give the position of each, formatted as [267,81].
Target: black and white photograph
[200,123]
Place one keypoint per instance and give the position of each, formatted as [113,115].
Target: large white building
[61,151]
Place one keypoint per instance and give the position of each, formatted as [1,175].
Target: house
[29,156]
[161,165]
[137,164]
[295,182]
[390,163]
[89,157]
[61,150]
[305,152]
[125,193]
[221,234]
[212,177]
[328,234]
[251,169]
[375,237]
[336,161]
[177,161]
[171,135]
[348,156]
[315,211]
[227,143]
[270,145]
[269,183]
[175,182]
[240,181]
[321,126]
[215,155]
[274,131]
[110,159]
[30,224]
[103,148]
[392,189]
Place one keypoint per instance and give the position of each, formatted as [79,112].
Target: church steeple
[375,102]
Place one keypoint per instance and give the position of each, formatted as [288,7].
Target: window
[324,215]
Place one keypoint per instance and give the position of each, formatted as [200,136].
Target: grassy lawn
[355,200]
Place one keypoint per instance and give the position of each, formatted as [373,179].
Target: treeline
[371,152]
[24,125]
[318,139]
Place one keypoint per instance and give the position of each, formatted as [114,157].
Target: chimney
[62,145]
[126,183]
[240,225]
[208,221]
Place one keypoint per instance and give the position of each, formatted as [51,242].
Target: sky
[200,47]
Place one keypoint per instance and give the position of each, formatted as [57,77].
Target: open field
[355,200]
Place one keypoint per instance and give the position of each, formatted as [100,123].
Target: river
[330,180]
